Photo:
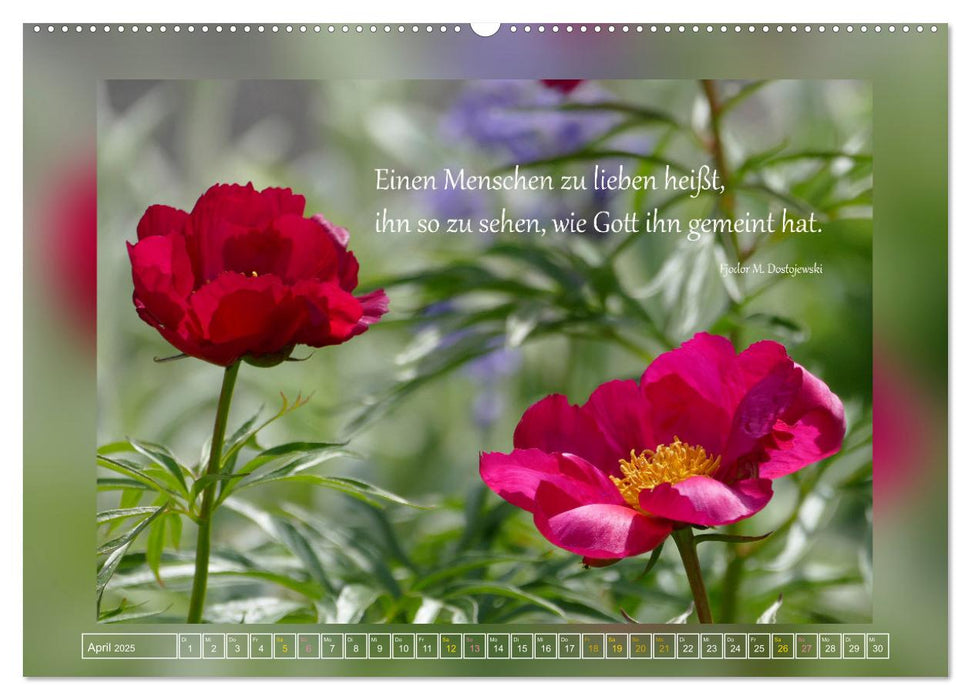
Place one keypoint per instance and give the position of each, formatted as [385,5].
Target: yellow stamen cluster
[668,464]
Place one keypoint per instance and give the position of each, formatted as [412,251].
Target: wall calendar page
[450,350]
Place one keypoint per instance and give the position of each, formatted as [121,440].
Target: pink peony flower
[697,441]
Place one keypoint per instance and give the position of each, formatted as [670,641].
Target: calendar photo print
[558,370]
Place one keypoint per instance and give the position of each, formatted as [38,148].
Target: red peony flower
[697,441]
[563,86]
[246,275]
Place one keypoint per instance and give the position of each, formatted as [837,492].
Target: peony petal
[161,220]
[333,314]
[678,410]
[516,477]
[227,211]
[244,206]
[374,305]
[554,425]
[595,531]
[162,276]
[702,363]
[625,419]
[810,429]
[281,201]
[183,336]
[240,315]
[757,413]
[257,251]
[702,500]
[312,253]
[338,234]
[709,366]
[348,266]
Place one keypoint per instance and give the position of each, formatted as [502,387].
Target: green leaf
[731,538]
[389,534]
[290,469]
[308,589]
[299,545]
[652,562]
[220,570]
[465,276]
[107,516]
[566,270]
[107,483]
[154,545]
[138,473]
[353,602]
[739,97]
[428,611]
[605,154]
[451,573]
[818,155]
[306,450]
[247,432]
[240,436]
[174,529]
[355,488]
[117,447]
[161,455]
[642,114]
[521,323]
[127,613]
[261,610]
[756,160]
[121,545]
[130,498]
[506,591]
[683,617]
[769,616]
[203,481]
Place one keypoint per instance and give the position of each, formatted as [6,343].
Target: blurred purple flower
[521,119]
[457,204]
[485,371]
[494,365]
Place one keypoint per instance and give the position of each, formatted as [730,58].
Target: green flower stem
[710,89]
[198,600]
[685,540]
[732,581]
